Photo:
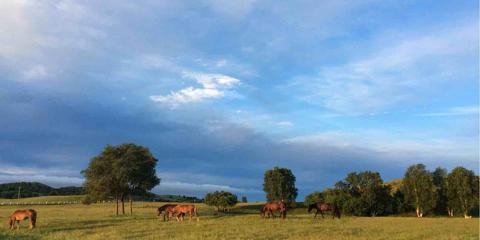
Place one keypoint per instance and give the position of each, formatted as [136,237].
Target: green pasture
[98,221]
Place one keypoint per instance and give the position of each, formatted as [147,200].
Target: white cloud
[213,86]
[455,111]
[285,123]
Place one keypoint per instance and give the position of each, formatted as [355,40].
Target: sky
[221,91]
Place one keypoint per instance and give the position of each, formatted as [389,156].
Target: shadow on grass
[87,224]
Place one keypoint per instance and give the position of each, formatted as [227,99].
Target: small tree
[244,199]
[419,189]
[314,198]
[462,190]
[221,200]
[279,184]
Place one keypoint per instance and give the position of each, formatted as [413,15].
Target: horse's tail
[33,217]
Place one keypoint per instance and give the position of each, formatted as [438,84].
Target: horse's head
[262,212]
[10,222]
[159,211]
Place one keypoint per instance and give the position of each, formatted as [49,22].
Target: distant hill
[35,189]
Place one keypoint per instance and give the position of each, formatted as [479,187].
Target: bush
[221,200]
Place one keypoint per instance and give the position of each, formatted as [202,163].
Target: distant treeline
[420,192]
[35,189]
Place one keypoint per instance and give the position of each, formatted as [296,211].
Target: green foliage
[279,184]
[121,170]
[364,194]
[439,177]
[221,200]
[462,190]
[419,189]
[35,189]
[244,199]
[314,198]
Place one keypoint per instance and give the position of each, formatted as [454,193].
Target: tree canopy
[221,200]
[364,194]
[279,184]
[462,190]
[119,171]
[419,189]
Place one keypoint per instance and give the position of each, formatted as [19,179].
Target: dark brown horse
[324,207]
[271,207]
[165,209]
[181,210]
[20,215]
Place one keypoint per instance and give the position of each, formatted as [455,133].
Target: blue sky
[221,91]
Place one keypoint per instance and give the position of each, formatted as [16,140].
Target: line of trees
[421,191]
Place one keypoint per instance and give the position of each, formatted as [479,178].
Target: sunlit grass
[98,221]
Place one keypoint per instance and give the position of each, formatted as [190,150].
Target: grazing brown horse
[324,207]
[165,209]
[271,207]
[20,215]
[181,210]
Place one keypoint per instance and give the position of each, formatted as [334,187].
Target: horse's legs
[321,212]
[315,214]
[17,222]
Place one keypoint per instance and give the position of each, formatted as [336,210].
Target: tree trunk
[450,212]
[419,212]
[123,204]
[131,203]
[116,200]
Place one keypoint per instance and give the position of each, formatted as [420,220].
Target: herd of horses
[267,211]
[180,210]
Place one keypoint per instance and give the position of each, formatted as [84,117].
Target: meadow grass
[98,221]
[50,199]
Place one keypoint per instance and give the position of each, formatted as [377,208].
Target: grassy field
[98,221]
[44,199]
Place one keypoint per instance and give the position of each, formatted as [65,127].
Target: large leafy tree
[279,184]
[136,169]
[462,190]
[419,189]
[221,200]
[120,171]
[365,193]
